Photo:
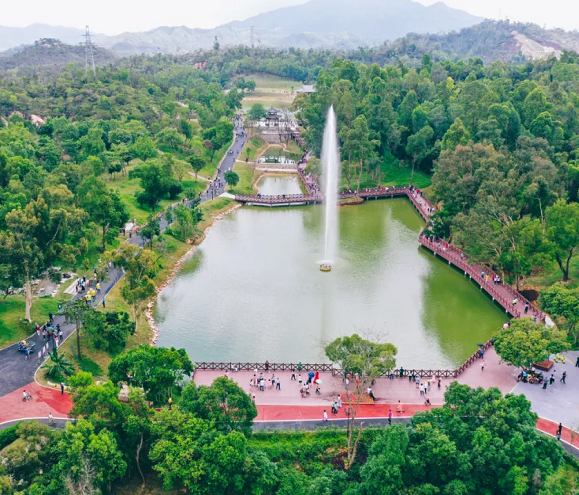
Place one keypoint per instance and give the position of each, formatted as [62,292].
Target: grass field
[271,91]
[253,148]
[271,82]
[13,327]
[394,173]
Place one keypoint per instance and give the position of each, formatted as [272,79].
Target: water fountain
[331,171]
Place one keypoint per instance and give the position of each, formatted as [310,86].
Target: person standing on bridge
[515,301]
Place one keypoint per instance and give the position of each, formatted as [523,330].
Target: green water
[278,185]
[277,151]
[253,289]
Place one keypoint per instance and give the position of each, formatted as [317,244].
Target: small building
[307,89]
[273,117]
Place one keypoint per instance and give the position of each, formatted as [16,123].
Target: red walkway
[44,401]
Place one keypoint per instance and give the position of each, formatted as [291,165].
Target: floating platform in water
[325,268]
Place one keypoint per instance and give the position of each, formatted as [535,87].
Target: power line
[89,55]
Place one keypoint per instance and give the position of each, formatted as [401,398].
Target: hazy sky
[116,16]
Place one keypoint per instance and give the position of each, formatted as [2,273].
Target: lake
[253,290]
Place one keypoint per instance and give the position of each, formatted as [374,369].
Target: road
[16,371]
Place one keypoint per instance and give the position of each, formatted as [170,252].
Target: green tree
[144,148]
[155,369]
[419,146]
[76,312]
[189,454]
[151,229]
[154,182]
[231,178]
[456,135]
[257,112]
[562,233]
[367,360]
[197,163]
[524,342]
[108,331]
[104,207]
[562,303]
[223,402]
[58,366]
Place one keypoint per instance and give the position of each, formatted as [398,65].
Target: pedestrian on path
[325,415]
[293,375]
[61,388]
[278,385]
[339,401]
[370,393]
[50,419]
[399,408]
[559,431]
[577,362]
[104,303]
[482,365]
[390,417]
[563,376]
[551,380]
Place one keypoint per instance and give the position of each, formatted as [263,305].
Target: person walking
[390,417]
[563,376]
[170,403]
[325,415]
[339,401]
[482,365]
[399,408]
[577,362]
[559,431]
[61,388]
[50,419]
[551,380]
[278,384]
[293,375]
[104,303]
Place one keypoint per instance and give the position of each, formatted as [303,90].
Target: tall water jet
[331,171]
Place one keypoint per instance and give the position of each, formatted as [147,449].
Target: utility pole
[89,55]
[251,37]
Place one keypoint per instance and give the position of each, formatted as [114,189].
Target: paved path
[558,402]
[17,371]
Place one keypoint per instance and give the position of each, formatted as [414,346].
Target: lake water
[253,290]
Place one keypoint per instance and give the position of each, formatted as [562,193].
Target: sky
[117,16]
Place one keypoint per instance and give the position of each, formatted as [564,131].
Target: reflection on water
[253,290]
[270,185]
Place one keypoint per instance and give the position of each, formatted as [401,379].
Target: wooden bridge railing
[262,366]
[279,199]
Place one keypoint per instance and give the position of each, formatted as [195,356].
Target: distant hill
[372,21]
[337,24]
[11,37]
[51,53]
[489,41]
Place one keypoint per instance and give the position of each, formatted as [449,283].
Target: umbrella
[481,345]
[319,381]
[311,374]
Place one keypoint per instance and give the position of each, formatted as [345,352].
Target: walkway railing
[263,366]
[326,367]
[281,199]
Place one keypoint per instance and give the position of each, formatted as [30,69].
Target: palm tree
[58,366]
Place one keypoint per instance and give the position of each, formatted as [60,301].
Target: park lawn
[394,173]
[248,175]
[268,100]
[551,274]
[253,148]
[127,188]
[271,82]
[13,327]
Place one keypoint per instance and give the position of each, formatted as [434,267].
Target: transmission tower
[89,55]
